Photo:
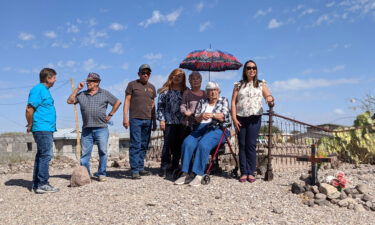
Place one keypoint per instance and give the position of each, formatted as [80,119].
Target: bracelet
[110,114]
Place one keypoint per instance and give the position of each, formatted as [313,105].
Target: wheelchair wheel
[206,179]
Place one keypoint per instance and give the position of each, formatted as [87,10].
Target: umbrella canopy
[210,60]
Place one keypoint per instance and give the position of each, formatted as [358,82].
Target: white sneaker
[181,180]
[196,182]
[185,178]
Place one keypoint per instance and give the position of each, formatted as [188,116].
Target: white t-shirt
[209,109]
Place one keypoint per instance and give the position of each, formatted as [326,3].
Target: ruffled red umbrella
[210,60]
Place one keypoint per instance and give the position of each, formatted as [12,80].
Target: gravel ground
[153,200]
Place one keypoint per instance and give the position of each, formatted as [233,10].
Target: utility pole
[78,147]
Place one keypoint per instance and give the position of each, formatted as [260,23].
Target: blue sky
[315,55]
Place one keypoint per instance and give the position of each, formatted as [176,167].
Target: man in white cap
[139,102]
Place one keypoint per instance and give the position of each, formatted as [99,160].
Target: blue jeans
[247,141]
[140,131]
[44,143]
[200,142]
[98,135]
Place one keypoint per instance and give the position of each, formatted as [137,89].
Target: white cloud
[158,17]
[61,44]
[118,88]
[158,80]
[330,4]
[89,65]
[50,34]
[307,12]
[321,19]
[299,84]
[173,16]
[19,45]
[91,22]
[125,66]
[117,49]
[325,70]
[72,28]
[117,27]
[7,68]
[339,111]
[274,24]
[199,7]
[94,39]
[152,56]
[25,36]
[68,64]
[261,12]
[204,26]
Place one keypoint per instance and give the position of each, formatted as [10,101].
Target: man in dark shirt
[139,102]
[93,103]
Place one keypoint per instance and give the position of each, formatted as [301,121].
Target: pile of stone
[357,198]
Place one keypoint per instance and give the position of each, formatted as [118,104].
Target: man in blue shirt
[41,121]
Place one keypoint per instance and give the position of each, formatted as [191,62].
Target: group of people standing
[192,119]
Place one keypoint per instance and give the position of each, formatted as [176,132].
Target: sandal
[243,179]
[251,179]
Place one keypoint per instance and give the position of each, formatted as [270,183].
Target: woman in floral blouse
[170,117]
[212,114]
[246,114]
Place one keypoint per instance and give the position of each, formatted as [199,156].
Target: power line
[23,87]
[24,102]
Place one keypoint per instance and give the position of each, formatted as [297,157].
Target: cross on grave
[314,161]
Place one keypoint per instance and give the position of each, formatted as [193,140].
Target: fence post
[269,172]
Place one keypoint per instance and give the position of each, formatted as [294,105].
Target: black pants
[247,140]
[174,135]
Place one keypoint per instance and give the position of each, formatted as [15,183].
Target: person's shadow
[20,182]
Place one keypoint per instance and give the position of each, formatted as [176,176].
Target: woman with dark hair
[246,114]
[170,117]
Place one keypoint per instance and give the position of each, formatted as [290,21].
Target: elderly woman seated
[212,114]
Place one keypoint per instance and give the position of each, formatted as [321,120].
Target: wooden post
[78,147]
[269,172]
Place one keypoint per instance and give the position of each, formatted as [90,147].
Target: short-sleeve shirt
[249,99]
[142,99]
[44,117]
[94,107]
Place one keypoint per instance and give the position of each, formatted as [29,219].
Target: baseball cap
[144,66]
[93,76]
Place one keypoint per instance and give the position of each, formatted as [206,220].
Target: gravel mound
[154,200]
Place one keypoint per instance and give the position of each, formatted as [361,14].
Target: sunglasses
[251,68]
[145,72]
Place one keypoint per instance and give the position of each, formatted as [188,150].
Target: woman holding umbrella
[170,117]
[246,114]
